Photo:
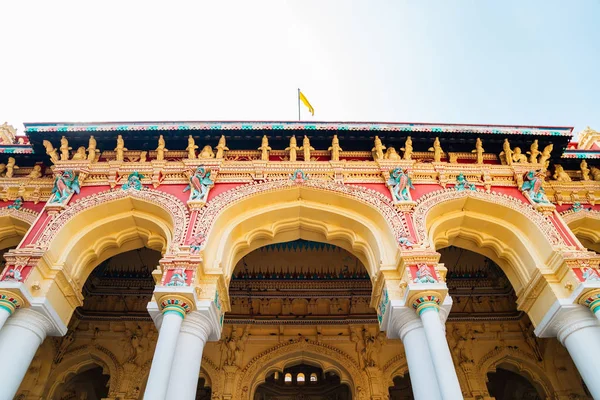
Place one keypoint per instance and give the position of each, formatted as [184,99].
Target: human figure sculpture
[51,151]
[207,152]
[400,184]
[64,186]
[585,171]
[391,154]
[335,149]
[545,157]
[560,174]
[221,147]
[595,173]
[424,275]
[534,152]
[533,186]
[437,150]
[160,150]
[36,172]
[179,278]
[64,149]
[518,156]
[134,181]
[478,151]
[408,149]
[589,274]
[191,148]
[507,152]
[378,149]
[120,149]
[293,148]
[10,167]
[264,149]
[306,147]
[91,149]
[80,154]
[13,275]
[199,184]
[462,183]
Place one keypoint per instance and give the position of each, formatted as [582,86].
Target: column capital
[427,300]
[174,304]
[592,301]
[10,301]
[32,321]
[204,324]
[564,319]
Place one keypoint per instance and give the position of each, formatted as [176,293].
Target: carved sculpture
[506,153]
[221,147]
[264,149]
[463,184]
[335,149]
[64,186]
[179,278]
[234,347]
[134,181]
[478,151]
[589,274]
[80,154]
[595,173]
[299,176]
[10,167]
[64,149]
[191,148]
[437,150]
[13,275]
[36,172]
[546,155]
[391,154]
[293,148]
[533,186]
[424,275]
[200,183]
[207,152]
[378,149]
[400,185]
[306,147]
[120,149]
[160,150]
[585,171]
[92,149]
[51,151]
[518,156]
[408,149]
[534,152]
[560,174]
[17,204]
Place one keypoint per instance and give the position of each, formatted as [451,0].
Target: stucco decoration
[176,209]
[14,224]
[585,224]
[430,200]
[22,214]
[278,357]
[370,197]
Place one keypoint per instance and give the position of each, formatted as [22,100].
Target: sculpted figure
[546,155]
[293,148]
[478,151]
[424,275]
[64,186]
[378,149]
[264,149]
[462,183]
[92,149]
[518,156]
[134,181]
[64,149]
[533,186]
[437,150]
[507,152]
[207,152]
[335,149]
[191,148]
[80,154]
[589,274]
[2,168]
[51,151]
[595,173]
[408,149]
[10,167]
[221,147]
[143,156]
[17,204]
[400,184]
[534,152]
[13,275]
[160,150]
[306,147]
[560,174]
[391,154]
[36,172]
[200,183]
[120,149]
[179,278]
[585,171]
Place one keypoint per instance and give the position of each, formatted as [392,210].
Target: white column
[9,303]
[160,371]
[440,353]
[420,366]
[580,334]
[19,340]
[194,333]
[4,314]
[593,302]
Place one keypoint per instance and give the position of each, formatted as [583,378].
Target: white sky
[467,61]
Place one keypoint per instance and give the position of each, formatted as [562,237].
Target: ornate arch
[24,214]
[521,362]
[394,367]
[83,356]
[372,198]
[14,225]
[172,205]
[327,357]
[585,224]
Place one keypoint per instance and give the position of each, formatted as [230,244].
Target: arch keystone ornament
[400,184]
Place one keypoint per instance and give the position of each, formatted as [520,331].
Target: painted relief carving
[134,181]
[532,185]
[463,184]
[13,275]
[299,176]
[65,185]
[422,273]
[400,185]
[178,278]
[17,204]
[199,184]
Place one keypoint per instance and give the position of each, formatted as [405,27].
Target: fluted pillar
[194,333]
[160,371]
[427,308]
[20,338]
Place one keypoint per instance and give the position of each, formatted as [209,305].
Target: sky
[534,62]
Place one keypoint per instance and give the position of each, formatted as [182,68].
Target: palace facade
[296,260]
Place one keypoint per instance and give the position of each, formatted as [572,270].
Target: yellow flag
[307,104]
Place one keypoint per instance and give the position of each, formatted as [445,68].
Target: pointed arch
[14,224]
[360,220]
[585,224]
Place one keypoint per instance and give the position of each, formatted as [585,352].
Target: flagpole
[298,104]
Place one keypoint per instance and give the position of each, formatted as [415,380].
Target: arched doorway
[402,389]
[203,392]
[504,384]
[302,382]
[88,384]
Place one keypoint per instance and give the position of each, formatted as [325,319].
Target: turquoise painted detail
[180,313]
[428,307]
[246,127]
[6,308]
[153,128]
